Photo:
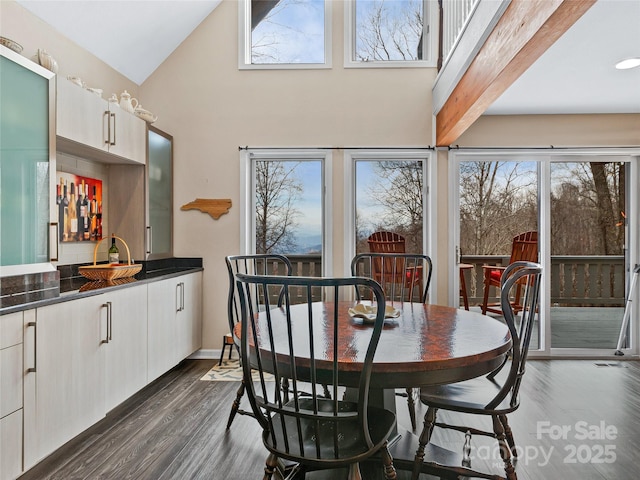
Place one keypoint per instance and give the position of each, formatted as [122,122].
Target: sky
[298,30]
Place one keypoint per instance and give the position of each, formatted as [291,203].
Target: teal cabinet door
[26,160]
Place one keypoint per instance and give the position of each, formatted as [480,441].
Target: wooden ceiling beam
[524,32]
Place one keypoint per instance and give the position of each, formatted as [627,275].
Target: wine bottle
[93,210]
[99,222]
[84,208]
[114,254]
[66,228]
[59,201]
[73,216]
[79,211]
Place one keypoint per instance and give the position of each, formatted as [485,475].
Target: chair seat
[351,442]
[495,275]
[471,396]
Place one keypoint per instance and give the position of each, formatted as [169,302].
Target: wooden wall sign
[216,207]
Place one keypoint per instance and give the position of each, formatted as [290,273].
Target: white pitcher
[127,103]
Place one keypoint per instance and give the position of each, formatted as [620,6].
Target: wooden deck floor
[175,429]
[582,327]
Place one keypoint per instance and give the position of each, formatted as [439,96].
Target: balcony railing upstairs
[455,14]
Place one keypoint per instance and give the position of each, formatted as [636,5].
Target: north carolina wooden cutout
[214,207]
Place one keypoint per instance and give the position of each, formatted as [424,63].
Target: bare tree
[390,31]
[400,192]
[277,190]
[497,201]
[587,208]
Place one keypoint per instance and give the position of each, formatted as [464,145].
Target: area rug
[229,371]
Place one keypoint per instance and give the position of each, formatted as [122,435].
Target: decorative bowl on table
[368,313]
[7,42]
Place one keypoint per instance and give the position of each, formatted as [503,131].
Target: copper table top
[425,345]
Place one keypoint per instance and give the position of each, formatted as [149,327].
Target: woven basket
[109,271]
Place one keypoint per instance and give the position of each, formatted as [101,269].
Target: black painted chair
[491,396]
[315,432]
[403,277]
[257,264]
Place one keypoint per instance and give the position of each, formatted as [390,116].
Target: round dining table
[423,345]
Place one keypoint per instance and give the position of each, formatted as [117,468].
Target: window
[389,192]
[285,34]
[389,33]
[285,206]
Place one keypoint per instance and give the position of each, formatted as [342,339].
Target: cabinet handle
[54,239]
[177,297]
[113,115]
[149,239]
[106,113]
[181,296]
[107,305]
[35,347]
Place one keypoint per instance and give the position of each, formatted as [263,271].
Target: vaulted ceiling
[574,74]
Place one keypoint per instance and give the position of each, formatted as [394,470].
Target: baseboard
[210,354]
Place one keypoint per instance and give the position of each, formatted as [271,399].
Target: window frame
[247,195]
[429,41]
[244,42]
[429,220]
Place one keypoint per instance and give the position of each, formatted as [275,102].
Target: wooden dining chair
[523,248]
[257,264]
[495,395]
[315,432]
[386,242]
[402,277]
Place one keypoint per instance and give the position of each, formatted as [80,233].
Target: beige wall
[211,108]
[620,130]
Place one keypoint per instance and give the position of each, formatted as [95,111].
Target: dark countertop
[72,286]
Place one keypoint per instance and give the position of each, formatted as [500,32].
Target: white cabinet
[126,350]
[175,322]
[64,380]
[90,356]
[87,120]
[189,317]
[11,341]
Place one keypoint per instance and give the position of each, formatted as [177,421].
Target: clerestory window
[390,33]
[277,34]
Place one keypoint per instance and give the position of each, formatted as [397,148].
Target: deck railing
[575,280]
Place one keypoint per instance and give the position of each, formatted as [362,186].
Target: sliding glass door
[588,236]
[582,208]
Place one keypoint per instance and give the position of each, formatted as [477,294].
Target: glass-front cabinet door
[160,188]
[28,241]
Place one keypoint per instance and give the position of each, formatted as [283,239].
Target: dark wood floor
[175,429]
